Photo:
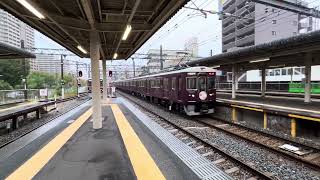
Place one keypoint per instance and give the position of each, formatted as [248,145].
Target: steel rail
[31,130]
[226,154]
[260,144]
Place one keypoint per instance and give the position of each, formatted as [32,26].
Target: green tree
[5,85]
[40,80]
[14,70]
[70,80]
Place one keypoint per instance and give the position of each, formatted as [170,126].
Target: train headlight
[192,95]
[203,95]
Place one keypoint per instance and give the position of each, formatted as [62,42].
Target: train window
[211,82]
[158,84]
[173,83]
[284,72]
[180,84]
[155,83]
[191,83]
[202,83]
[166,83]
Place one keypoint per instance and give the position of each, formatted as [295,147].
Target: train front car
[200,94]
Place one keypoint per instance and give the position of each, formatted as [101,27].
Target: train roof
[185,70]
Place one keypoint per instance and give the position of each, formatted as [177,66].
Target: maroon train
[191,89]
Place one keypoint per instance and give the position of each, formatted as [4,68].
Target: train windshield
[211,82]
[191,83]
[202,83]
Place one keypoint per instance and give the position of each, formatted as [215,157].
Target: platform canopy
[279,53]
[69,22]
[10,52]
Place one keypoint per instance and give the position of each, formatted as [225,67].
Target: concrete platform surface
[289,104]
[73,150]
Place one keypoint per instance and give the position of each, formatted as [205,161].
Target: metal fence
[18,95]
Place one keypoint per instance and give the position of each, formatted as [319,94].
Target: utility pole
[77,68]
[24,80]
[134,68]
[89,73]
[62,80]
[211,52]
[161,60]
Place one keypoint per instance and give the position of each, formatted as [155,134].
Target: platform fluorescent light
[126,32]
[260,60]
[31,8]
[278,66]
[82,50]
[115,55]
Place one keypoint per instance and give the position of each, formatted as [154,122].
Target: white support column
[104,75]
[263,82]
[96,92]
[234,82]
[307,88]
[237,74]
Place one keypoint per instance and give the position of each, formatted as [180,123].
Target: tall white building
[192,45]
[48,63]
[169,57]
[265,24]
[16,33]
[260,24]
[52,64]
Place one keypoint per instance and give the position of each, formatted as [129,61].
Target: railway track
[50,119]
[305,154]
[262,161]
[225,161]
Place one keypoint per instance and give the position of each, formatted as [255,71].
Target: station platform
[274,103]
[129,146]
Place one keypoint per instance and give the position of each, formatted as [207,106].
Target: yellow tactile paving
[144,166]
[31,167]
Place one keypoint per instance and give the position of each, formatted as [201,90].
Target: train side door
[147,86]
[179,87]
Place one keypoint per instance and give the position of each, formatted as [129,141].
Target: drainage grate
[201,166]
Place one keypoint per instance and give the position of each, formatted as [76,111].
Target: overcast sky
[184,25]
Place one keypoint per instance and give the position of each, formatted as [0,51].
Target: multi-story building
[52,64]
[259,24]
[169,58]
[48,63]
[193,46]
[16,33]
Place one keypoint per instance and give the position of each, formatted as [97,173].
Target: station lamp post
[62,80]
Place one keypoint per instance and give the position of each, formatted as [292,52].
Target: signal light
[110,73]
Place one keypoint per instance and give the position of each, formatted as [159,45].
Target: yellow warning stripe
[304,117]
[249,108]
[32,166]
[144,166]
